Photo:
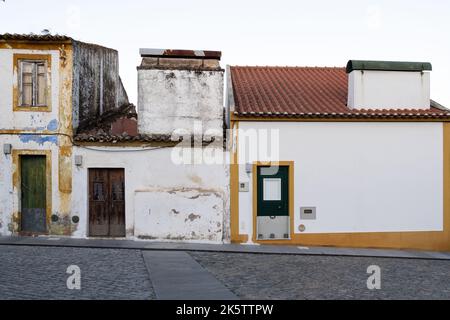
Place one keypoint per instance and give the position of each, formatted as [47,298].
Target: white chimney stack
[388,85]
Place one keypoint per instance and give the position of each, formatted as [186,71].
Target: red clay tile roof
[306,92]
[34,37]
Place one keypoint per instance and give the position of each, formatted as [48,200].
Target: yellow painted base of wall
[432,241]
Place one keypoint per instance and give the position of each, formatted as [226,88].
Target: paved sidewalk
[177,276]
[226,248]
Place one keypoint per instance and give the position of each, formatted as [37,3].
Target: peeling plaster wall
[170,100]
[15,127]
[24,121]
[10,194]
[6,192]
[164,201]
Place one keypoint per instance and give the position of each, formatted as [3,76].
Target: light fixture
[78,161]
[7,148]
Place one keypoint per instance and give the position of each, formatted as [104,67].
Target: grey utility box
[244,187]
[308,213]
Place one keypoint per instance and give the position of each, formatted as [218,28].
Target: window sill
[32,109]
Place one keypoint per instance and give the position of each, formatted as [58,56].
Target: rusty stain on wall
[64,224]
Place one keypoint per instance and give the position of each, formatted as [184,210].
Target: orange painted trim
[235,236]
[33,45]
[290,165]
[18,131]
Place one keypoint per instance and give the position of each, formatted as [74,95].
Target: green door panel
[273,191]
[33,194]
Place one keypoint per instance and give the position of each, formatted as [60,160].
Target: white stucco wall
[362,177]
[164,201]
[25,121]
[10,196]
[389,89]
[172,100]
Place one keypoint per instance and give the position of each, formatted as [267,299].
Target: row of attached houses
[354,157]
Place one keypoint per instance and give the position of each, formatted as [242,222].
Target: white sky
[251,32]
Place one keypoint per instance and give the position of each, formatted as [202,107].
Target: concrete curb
[224,248]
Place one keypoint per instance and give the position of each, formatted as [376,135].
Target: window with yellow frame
[32,90]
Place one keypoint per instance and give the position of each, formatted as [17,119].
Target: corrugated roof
[305,92]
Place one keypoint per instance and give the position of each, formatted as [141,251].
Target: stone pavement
[177,276]
[39,272]
[226,248]
[300,277]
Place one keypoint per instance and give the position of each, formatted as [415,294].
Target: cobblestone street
[40,273]
[285,277]
[28,272]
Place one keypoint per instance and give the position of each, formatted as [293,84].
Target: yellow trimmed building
[348,157]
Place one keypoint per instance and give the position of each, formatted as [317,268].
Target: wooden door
[107,203]
[33,194]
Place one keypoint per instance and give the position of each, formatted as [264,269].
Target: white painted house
[171,191]
[356,157]
[41,104]
[78,161]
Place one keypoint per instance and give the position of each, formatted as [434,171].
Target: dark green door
[273,191]
[33,194]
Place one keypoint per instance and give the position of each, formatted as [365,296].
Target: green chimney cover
[388,65]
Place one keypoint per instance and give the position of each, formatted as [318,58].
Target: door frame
[256,165]
[17,182]
[88,225]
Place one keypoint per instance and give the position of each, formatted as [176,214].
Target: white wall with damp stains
[27,121]
[9,194]
[163,201]
[171,100]
[14,125]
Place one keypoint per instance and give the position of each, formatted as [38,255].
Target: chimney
[180,91]
[388,85]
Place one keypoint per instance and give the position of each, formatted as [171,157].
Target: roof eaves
[34,38]
[352,115]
